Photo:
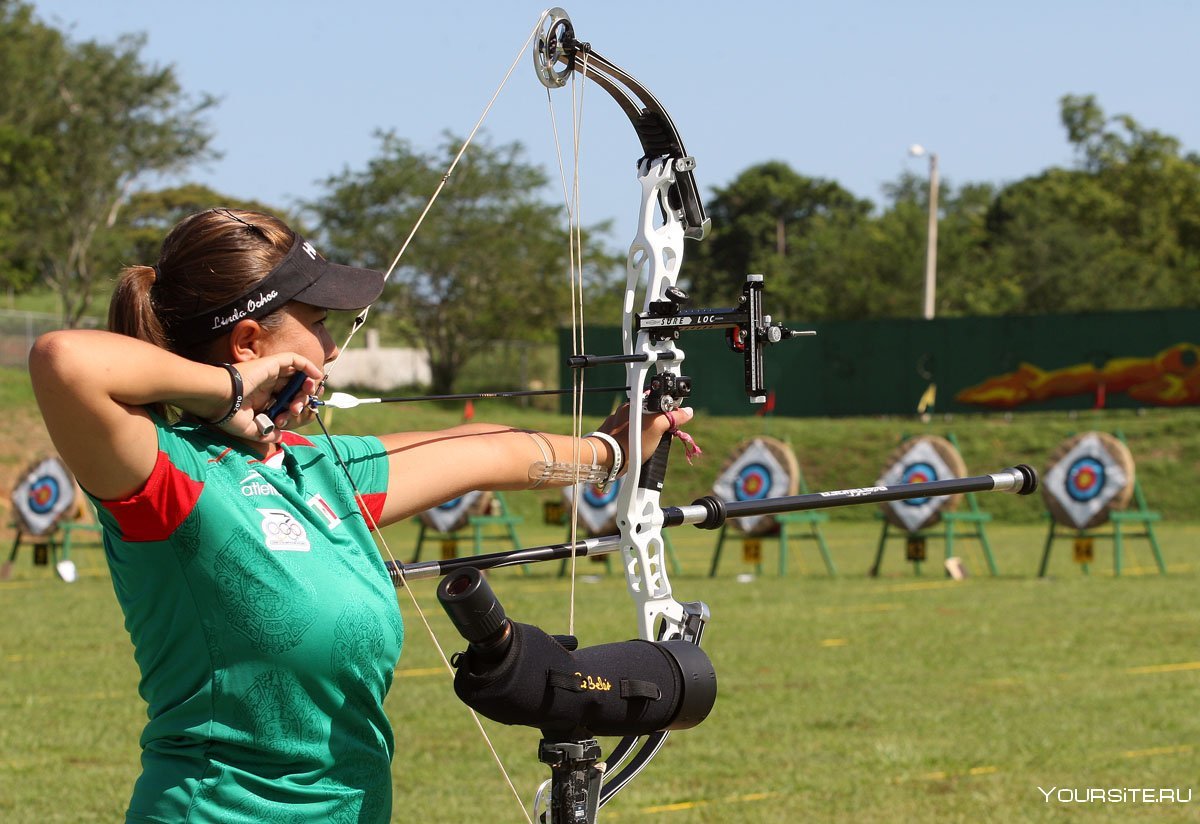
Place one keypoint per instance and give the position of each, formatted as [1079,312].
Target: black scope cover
[626,688]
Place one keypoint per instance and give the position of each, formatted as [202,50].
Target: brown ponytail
[131,310]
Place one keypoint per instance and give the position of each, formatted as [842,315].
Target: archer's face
[303,332]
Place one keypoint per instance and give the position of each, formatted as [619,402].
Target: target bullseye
[757,469]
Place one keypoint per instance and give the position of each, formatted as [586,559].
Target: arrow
[343,400]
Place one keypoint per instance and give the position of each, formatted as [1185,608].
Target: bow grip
[654,470]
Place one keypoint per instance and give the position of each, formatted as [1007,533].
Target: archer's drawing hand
[262,381]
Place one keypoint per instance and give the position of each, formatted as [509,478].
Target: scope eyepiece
[472,605]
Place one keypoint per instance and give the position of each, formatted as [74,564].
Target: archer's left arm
[428,468]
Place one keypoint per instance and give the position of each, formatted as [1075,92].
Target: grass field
[901,698]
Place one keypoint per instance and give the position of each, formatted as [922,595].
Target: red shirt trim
[374,505]
[156,510]
[292,439]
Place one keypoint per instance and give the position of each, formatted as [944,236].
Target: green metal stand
[478,524]
[1121,520]
[973,517]
[950,530]
[58,542]
[812,520]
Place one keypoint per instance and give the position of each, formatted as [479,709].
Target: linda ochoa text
[251,305]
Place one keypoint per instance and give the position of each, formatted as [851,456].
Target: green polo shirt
[265,627]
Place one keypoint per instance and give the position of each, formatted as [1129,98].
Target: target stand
[758,469]
[1090,482]
[918,521]
[47,511]
[475,511]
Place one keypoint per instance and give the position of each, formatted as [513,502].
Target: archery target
[44,496]
[1088,476]
[758,469]
[456,514]
[918,460]
[597,507]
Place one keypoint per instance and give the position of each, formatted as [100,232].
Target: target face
[759,469]
[597,507]
[1085,479]
[1091,475]
[924,459]
[45,495]
[918,473]
[455,514]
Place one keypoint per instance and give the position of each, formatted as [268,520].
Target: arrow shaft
[474,396]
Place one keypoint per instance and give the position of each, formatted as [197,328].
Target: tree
[1120,231]
[774,221]
[489,262]
[148,216]
[87,122]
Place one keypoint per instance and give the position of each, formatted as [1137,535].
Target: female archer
[262,618]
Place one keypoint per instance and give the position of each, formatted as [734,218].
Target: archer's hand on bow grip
[655,428]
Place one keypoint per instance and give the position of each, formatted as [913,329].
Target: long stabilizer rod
[711,513]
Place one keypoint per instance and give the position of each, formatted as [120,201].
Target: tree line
[88,130]
[1118,230]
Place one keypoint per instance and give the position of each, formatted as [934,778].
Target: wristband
[236,378]
[618,455]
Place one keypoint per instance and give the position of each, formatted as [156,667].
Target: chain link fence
[18,331]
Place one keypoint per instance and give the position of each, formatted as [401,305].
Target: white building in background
[374,367]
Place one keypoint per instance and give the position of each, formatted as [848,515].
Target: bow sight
[748,330]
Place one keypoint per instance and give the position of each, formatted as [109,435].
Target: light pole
[917,150]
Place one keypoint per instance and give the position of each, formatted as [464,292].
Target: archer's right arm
[92,388]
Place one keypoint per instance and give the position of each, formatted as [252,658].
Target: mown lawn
[849,699]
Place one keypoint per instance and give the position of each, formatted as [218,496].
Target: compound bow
[671,211]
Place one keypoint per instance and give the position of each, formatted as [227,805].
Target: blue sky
[837,89]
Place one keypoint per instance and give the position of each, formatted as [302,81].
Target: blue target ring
[753,483]
[597,499]
[917,473]
[44,494]
[451,504]
[1085,479]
